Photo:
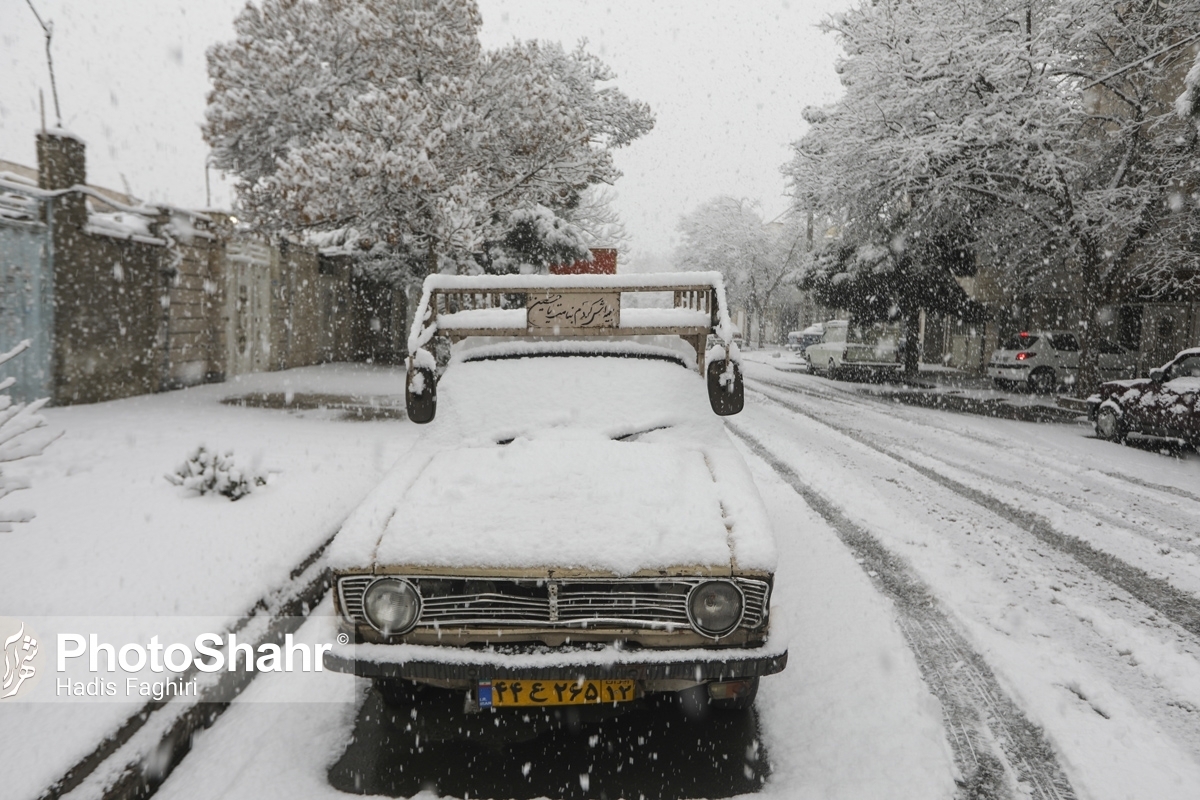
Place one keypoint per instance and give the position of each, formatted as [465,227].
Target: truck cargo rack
[576,307]
[571,306]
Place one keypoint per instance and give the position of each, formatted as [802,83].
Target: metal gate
[248,299]
[27,296]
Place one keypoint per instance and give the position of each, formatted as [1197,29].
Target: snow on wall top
[613,465]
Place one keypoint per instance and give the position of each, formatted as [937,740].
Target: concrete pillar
[62,163]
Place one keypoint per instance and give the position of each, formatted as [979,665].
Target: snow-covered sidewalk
[118,545]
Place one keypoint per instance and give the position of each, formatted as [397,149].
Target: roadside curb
[1000,409]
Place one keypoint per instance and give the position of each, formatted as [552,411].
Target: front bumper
[447,664]
[443,667]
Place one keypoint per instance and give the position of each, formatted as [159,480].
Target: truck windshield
[869,334]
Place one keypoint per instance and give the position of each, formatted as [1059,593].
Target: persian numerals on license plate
[554,692]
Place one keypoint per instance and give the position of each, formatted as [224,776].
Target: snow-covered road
[976,608]
[1068,564]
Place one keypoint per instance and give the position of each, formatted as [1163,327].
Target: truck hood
[607,465]
[594,504]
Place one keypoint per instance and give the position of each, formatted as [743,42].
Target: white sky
[726,80]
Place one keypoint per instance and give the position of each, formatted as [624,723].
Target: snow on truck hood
[608,464]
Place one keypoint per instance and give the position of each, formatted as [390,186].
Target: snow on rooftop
[63,133]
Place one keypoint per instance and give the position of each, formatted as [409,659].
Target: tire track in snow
[872,402]
[988,733]
[1146,530]
[1176,605]
[1158,487]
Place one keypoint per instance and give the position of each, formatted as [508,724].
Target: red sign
[604,262]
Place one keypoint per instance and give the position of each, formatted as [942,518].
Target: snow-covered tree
[19,438]
[728,235]
[536,238]
[388,117]
[1038,129]
[1137,215]
[597,221]
[903,159]
[1187,105]
[894,283]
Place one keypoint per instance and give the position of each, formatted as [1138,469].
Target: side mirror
[420,395]
[726,392]
[1158,375]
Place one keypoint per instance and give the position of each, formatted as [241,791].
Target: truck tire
[1109,425]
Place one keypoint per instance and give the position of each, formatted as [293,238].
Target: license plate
[554,693]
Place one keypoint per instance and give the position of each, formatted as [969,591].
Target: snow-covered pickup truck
[847,350]
[574,526]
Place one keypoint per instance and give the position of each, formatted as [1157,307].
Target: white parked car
[1043,360]
[574,526]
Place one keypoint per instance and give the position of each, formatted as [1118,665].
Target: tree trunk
[1088,378]
[912,345]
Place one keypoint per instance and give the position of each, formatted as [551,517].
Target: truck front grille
[595,604]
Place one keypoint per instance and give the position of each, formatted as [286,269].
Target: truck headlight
[392,605]
[715,607]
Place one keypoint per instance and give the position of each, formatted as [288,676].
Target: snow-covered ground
[1065,569]
[848,718]
[115,542]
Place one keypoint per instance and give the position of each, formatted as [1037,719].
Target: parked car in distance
[847,350]
[798,341]
[574,526]
[1043,360]
[1165,404]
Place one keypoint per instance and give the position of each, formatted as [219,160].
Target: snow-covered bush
[208,472]
[18,421]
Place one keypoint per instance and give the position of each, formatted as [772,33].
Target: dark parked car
[1165,404]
